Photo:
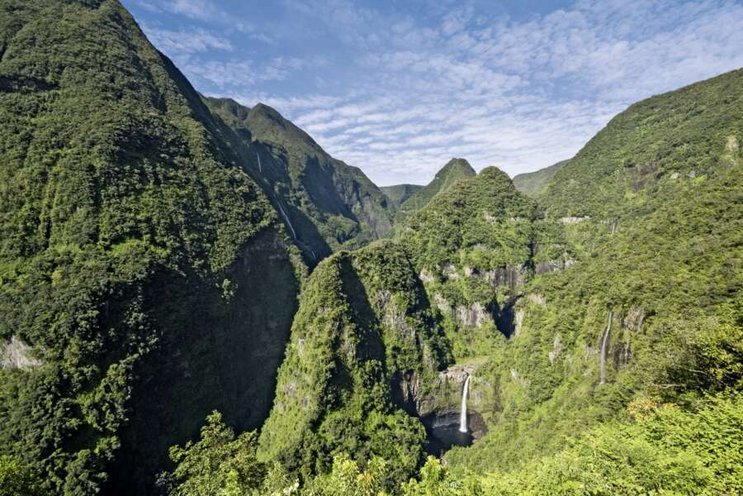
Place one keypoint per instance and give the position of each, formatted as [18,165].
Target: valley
[196,298]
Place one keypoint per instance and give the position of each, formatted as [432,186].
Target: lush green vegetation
[534,183]
[690,132]
[453,171]
[399,193]
[476,244]
[147,279]
[660,449]
[363,330]
[128,232]
[483,218]
[330,204]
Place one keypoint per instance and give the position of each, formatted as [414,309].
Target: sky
[399,87]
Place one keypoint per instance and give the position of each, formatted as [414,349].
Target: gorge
[196,298]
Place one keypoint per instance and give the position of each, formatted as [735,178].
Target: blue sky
[398,87]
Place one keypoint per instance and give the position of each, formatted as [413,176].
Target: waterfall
[604,346]
[260,167]
[463,413]
[288,222]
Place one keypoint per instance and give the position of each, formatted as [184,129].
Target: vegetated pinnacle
[456,166]
[493,173]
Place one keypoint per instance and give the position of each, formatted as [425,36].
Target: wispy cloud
[398,88]
[186,41]
[520,95]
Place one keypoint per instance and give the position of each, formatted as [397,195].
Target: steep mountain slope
[665,139]
[650,313]
[476,244]
[453,171]
[534,183]
[137,258]
[653,316]
[326,203]
[363,342]
[399,193]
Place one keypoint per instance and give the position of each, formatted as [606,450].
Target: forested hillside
[676,136]
[399,193]
[326,203]
[534,183]
[365,345]
[453,171]
[476,245]
[137,258]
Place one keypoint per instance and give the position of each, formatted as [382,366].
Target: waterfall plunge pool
[442,429]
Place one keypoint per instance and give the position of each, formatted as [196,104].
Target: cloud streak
[398,91]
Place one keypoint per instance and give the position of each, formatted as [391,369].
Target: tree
[16,479]
[219,463]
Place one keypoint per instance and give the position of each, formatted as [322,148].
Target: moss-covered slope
[363,341]
[665,139]
[327,204]
[136,255]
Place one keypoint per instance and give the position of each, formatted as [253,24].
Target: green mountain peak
[454,170]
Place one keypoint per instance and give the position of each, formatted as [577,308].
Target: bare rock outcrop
[16,354]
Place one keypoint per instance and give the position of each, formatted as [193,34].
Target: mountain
[476,245]
[398,193]
[453,171]
[655,144]
[146,279]
[327,204]
[364,347]
[162,333]
[534,183]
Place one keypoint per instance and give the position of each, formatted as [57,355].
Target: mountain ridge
[327,203]
[454,170]
[534,183]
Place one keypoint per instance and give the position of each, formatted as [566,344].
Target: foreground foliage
[663,449]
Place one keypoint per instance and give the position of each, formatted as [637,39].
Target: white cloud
[182,41]
[399,95]
[196,9]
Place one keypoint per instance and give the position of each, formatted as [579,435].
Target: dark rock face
[510,276]
[217,351]
[506,319]
[406,392]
